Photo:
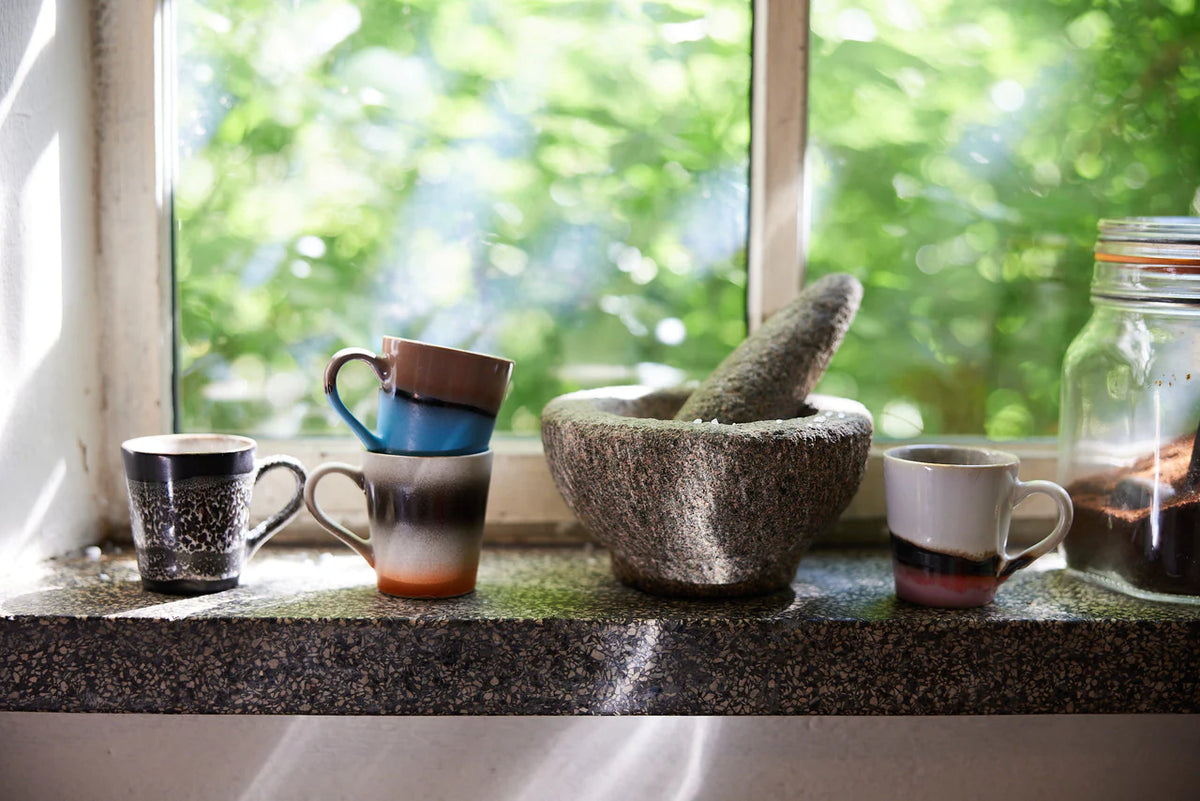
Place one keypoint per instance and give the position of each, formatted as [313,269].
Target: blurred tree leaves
[960,157]
[548,181]
[564,183]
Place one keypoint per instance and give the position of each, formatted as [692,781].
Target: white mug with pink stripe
[949,509]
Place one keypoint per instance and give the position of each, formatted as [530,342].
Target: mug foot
[447,588]
[928,588]
[189,586]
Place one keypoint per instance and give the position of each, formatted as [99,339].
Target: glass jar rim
[1177,230]
[1150,242]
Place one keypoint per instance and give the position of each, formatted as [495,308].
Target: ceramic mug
[432,399]
[189,505]
[425,517]
[949,509]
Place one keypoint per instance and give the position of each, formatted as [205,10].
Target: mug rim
[424,458]
[402,341]
[910,454]
[174,457]
[143,446]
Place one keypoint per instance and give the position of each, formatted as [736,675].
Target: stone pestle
[770,374]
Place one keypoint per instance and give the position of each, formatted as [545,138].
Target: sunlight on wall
[43,501]
[666,758]
[509,758]
[43,34]
[42,301]
[14,235]
[49,400]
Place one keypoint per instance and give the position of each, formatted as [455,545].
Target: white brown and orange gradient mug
[426,516]
[949,510]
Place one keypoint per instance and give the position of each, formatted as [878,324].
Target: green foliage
[960,161]
[564,183]
[560,183]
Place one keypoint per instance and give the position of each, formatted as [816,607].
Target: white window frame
[135,144]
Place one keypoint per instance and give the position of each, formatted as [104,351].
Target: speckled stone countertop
[549,631]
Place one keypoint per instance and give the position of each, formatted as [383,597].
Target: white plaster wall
[50,756]
[49,380]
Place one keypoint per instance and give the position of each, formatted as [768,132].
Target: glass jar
[1129,433]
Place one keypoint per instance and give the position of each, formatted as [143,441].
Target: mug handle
[269,527]
[1066,512]
[361,545]
[379,366]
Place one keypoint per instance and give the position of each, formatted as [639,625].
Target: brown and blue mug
[433,400]
[189,504]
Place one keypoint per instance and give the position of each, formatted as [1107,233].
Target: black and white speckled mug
[189,504]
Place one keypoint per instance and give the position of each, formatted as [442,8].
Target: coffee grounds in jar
[1117,531]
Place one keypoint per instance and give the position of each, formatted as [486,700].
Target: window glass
[561,183]
[960,155]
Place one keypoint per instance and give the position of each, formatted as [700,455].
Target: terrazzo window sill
[549,631]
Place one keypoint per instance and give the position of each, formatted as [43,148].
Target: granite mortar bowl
[703,510]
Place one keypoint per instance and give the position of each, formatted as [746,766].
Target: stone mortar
[703,510]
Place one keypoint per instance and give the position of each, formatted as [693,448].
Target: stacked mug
[425,474]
